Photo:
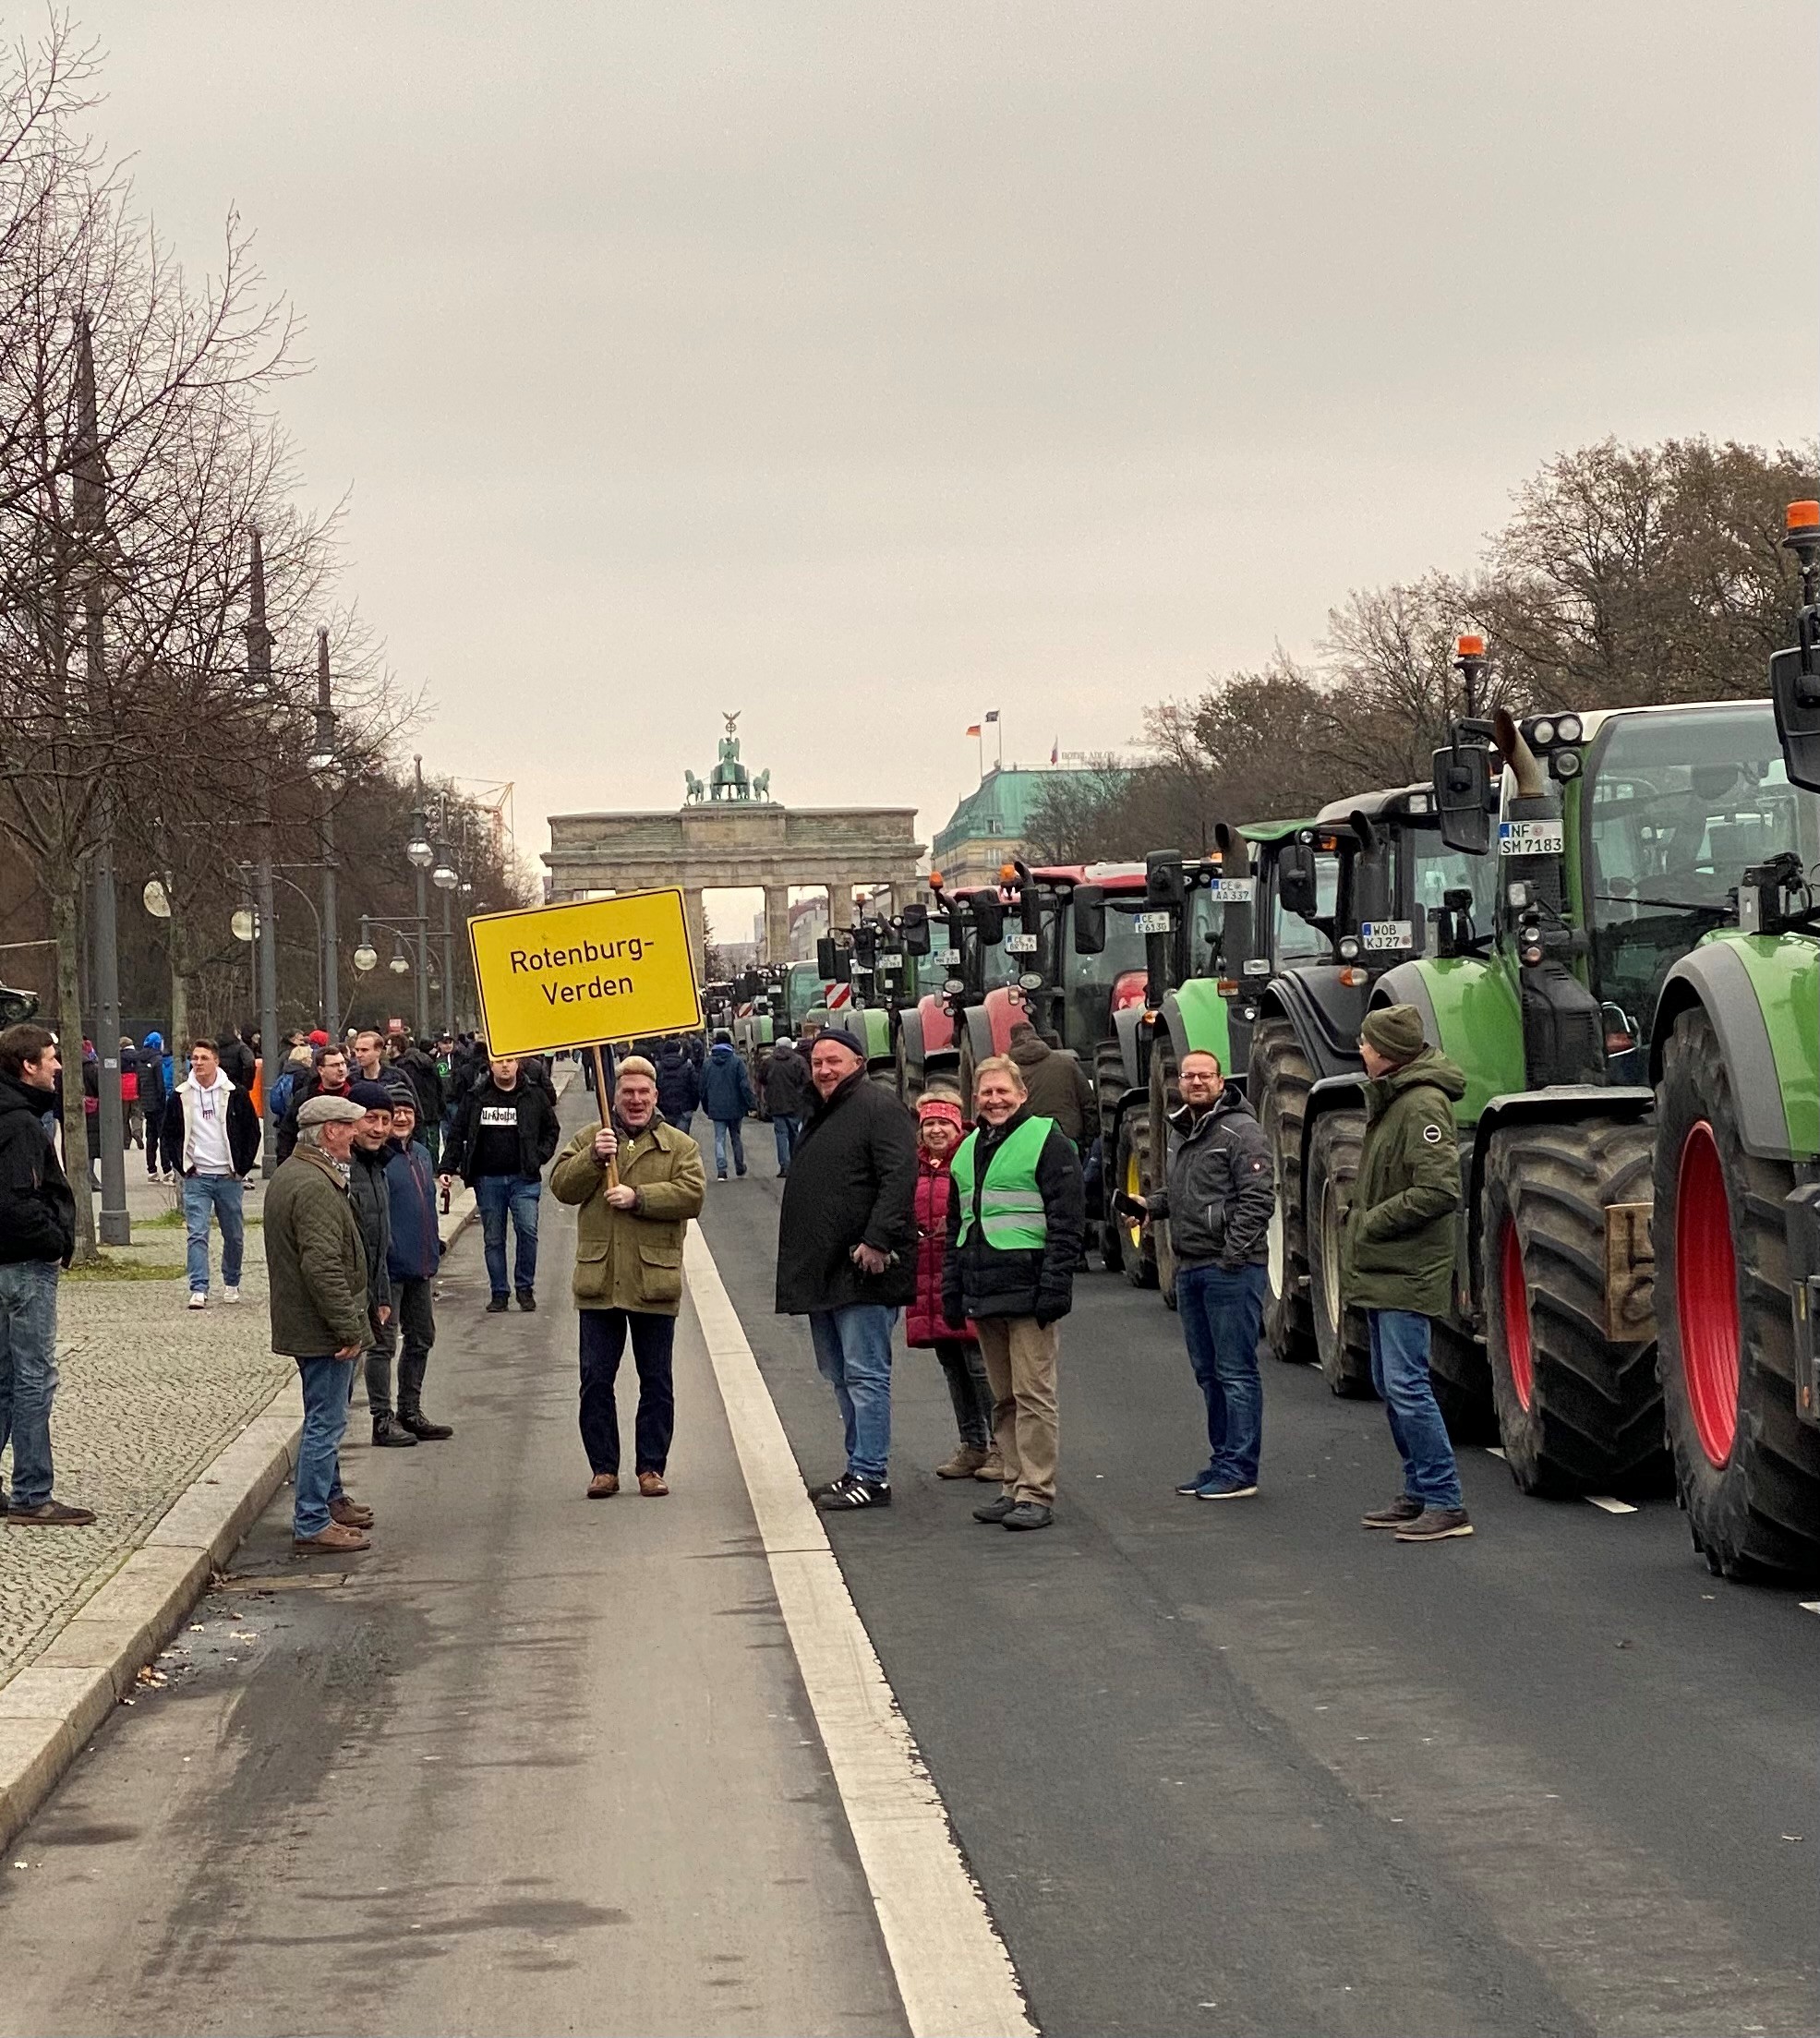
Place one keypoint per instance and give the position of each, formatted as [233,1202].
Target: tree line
[1623,576]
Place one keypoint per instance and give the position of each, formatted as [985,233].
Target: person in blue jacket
[727,1098]
[416,1253]
[154,1092]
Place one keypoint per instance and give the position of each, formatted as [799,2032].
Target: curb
[50,1708]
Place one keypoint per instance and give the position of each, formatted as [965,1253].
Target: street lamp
[444,876]
[322,763]
[366,957]
[400,964]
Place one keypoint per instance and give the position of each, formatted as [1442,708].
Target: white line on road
[1495,1451]
[1608,1504]
[953,1972]
[1809,1606]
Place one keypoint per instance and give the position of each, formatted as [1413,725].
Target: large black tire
[909,1074]
[1109,1086]
[1132,1174]
[1166,1097]
[1461,1377]
[1747,1467]
[1341,1337]
[1277,1084]
[1575,1412]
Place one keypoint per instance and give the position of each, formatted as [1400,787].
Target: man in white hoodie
[209,1140]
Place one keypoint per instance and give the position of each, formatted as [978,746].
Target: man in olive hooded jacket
[1397,1262]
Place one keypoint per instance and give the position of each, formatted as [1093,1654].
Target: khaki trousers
[1020,1356]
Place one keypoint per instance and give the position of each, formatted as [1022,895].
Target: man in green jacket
[1397,1263]
[629,1237]
[317,1271]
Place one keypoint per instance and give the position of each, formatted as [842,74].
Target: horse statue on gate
[695,792]
[761,784]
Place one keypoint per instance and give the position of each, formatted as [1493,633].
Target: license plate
[1020,944]
[1531,837]
[891,962]
[1232,891]
[947,957]
[1381,935]
[1154,923]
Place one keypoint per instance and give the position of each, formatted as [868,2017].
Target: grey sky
[866,367]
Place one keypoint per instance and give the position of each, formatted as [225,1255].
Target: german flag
[974,729]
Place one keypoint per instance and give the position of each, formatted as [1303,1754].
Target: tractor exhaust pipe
[1531,780]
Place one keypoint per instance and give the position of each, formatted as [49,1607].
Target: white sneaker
[197,1300]
[230,1295]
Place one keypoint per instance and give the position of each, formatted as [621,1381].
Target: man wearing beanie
[371,1201]
[1397,1260]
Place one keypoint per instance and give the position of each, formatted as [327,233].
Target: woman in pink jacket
[939,1128]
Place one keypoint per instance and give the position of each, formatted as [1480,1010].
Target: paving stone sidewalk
[150,1392]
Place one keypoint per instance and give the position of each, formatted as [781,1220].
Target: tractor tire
[1277,1085]
[909,1075]
[1166,1097]
[1575,1412]
[1341,1338]
[1109,1087]
[1132,1174]
[1747,1467]
[1461,1378]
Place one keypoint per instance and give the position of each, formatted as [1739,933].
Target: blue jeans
[786,1130]
[853,1353]
[1400,1373]
[722,1127]
[1222,1316]
[27,1373]
[325,1391]
[495,1195]
[222,1194]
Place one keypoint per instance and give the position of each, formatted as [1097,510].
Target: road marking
[1809,1606]
[952,1970]
[1608,1504]
[1496,1451]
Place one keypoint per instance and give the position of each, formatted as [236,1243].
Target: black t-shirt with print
[497,1150]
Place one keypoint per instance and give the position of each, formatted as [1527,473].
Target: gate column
[776,923]
[695,918]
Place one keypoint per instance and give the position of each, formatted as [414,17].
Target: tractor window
[1434,870]
[1678,805]
[1293,940]
[1206,919]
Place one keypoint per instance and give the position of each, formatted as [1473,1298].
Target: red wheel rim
[1516,1315]
[1706,1294]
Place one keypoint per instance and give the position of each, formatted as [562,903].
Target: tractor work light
[1564,764]
[1348,948]
[1569,728]
[1542,734]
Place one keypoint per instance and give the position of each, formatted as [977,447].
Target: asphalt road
[533,1764]
[1246,1768]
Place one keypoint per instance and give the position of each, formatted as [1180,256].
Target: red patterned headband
[940,1107]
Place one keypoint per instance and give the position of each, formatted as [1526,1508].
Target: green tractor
[1735,1053]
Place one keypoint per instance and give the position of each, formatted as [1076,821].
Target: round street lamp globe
[365,957]
[419,854]
[443,878]
[400,963]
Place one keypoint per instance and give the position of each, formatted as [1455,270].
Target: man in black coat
[847,1254]
[505,1133]
[788,1091]
[328,1079]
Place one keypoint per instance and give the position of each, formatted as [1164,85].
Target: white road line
[1809,1606]
[1608,1504]
[953,1972]
[1495,1451]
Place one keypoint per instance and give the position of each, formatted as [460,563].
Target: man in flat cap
[1397,1260]
[317,1269]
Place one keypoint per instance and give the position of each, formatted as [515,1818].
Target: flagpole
[1001,743]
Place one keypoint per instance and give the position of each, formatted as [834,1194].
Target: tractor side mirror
[1463,775]
[1297,880]
[914,925]
[1797,696]
[1372,872]
[828,960]
[988,916]
[1164,884]
[865,943]
[1088,908]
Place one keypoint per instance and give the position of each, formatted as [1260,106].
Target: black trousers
[603,1345]
[413,1315]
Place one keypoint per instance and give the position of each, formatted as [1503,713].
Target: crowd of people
[976,1232]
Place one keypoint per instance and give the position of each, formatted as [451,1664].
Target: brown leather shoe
[335,1540]
[349,1512]
[993,1470]
[603,1486]
[651,1485]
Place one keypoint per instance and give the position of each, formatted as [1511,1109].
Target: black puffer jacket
[37,1211]
[853,1182]
[788,1091]
[370,1195]
[538,1132]
[978,1278]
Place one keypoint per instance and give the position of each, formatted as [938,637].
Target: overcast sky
[866,367]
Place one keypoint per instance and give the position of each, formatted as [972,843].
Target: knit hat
[937,1107]
[326,1110]
[404,1098]
[319,1038]
[840,1039]
[1395,1030]
[369,1096]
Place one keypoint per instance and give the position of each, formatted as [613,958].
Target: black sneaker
[994,1511]
[425,1431]
[1435,1525]
[1401,1510]
[1029,1515]
[497,1304]
[51,1514]
[856,1493]
[391,1435]
[527,1300]
[819,1493]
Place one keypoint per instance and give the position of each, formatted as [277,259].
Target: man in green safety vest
[1015,1228]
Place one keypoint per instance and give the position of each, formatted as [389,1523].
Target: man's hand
[384,1312]
[868,1258]
[605,1143]
[445,1181]
[349,1351]
[623,1197]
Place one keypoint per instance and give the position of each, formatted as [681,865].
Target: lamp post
[321,763]
[420,855]
[258,686]
[445,877]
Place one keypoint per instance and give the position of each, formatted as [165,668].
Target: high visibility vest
[1010,1203]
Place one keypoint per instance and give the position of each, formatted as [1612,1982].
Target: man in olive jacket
[1397,1260]
[317,1272]
[847,1253]
[629,1269]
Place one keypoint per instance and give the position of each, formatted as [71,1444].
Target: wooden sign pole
[606,1103]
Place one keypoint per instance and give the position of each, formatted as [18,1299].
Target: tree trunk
[65,891]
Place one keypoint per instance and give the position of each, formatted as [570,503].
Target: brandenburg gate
[729,834]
